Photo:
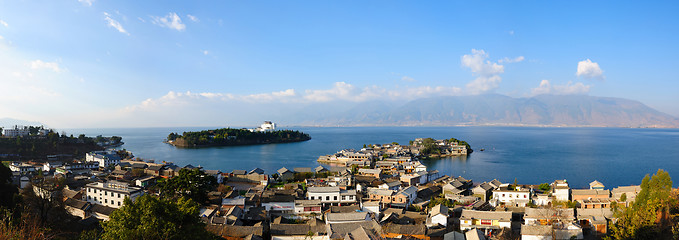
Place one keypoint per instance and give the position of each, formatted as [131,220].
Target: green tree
[648,216]
[150,217]
[544,187]
[193,184]
[9,193]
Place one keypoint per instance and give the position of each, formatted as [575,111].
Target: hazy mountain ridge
[495,109]
[10,122]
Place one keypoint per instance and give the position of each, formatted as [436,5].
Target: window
[95,199]
[118,195]
[344,198]
[89,190]
[503,195]
[95,190]
[335,198]
[105,200]
[312,197]
[327,198]
[118,203]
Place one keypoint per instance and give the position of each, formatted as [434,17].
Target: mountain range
[495,109]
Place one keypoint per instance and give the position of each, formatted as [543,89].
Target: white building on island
[265,127]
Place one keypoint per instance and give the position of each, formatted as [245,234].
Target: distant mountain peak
[10,122]
[496,109]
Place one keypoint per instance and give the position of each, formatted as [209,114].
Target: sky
[95,63]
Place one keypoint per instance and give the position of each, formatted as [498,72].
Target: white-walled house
[111,193]
[21,168]
[104,158]
[438,216]
[331,195]
[518,197]
[560,190]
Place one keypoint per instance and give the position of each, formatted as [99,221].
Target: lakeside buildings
[368,202]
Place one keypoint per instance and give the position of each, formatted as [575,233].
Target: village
[378,192]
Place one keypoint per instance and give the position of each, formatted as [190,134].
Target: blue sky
[129,63]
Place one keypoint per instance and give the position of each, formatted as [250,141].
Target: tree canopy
[9,193]
[193,184]
[150,217]
[232,136]
[649,216]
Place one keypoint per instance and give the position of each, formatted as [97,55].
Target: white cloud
[192,18]
[171,21]
[407,79]
[511,32]
[86,2]
[141,19]
[341,91]
[487,71]
[3,23]
[569,89]
[205,52]
[115,24]
[39,64]
[511,60]
[589,69]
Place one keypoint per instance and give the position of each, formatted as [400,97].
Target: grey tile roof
[320,169]
[104,210]
[340,230]
[235,231]
[283,170]
[536,230]
[323,189]
[78,204]
[352,216]
[439,209]
[404,229]
[546,213]
[473,214]
[302,170]
[344,209]
[256,170]
[606,193]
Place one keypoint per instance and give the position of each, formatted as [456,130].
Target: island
[20,143]
[418,149]
[266,134]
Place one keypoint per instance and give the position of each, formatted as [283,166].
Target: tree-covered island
[37,142]
[234,137]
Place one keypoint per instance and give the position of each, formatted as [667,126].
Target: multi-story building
[111,193]
[331,195]
[17,131]
[517,197]
[560,190]
[104,158]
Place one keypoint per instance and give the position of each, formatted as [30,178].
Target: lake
[531,155]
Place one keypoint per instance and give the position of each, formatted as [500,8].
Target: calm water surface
[614,156]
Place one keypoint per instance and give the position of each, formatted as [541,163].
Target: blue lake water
[614,156]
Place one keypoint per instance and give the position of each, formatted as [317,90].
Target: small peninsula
[396,154]
[266,134]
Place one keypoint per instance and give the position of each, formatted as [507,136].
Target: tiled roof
[502,216]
